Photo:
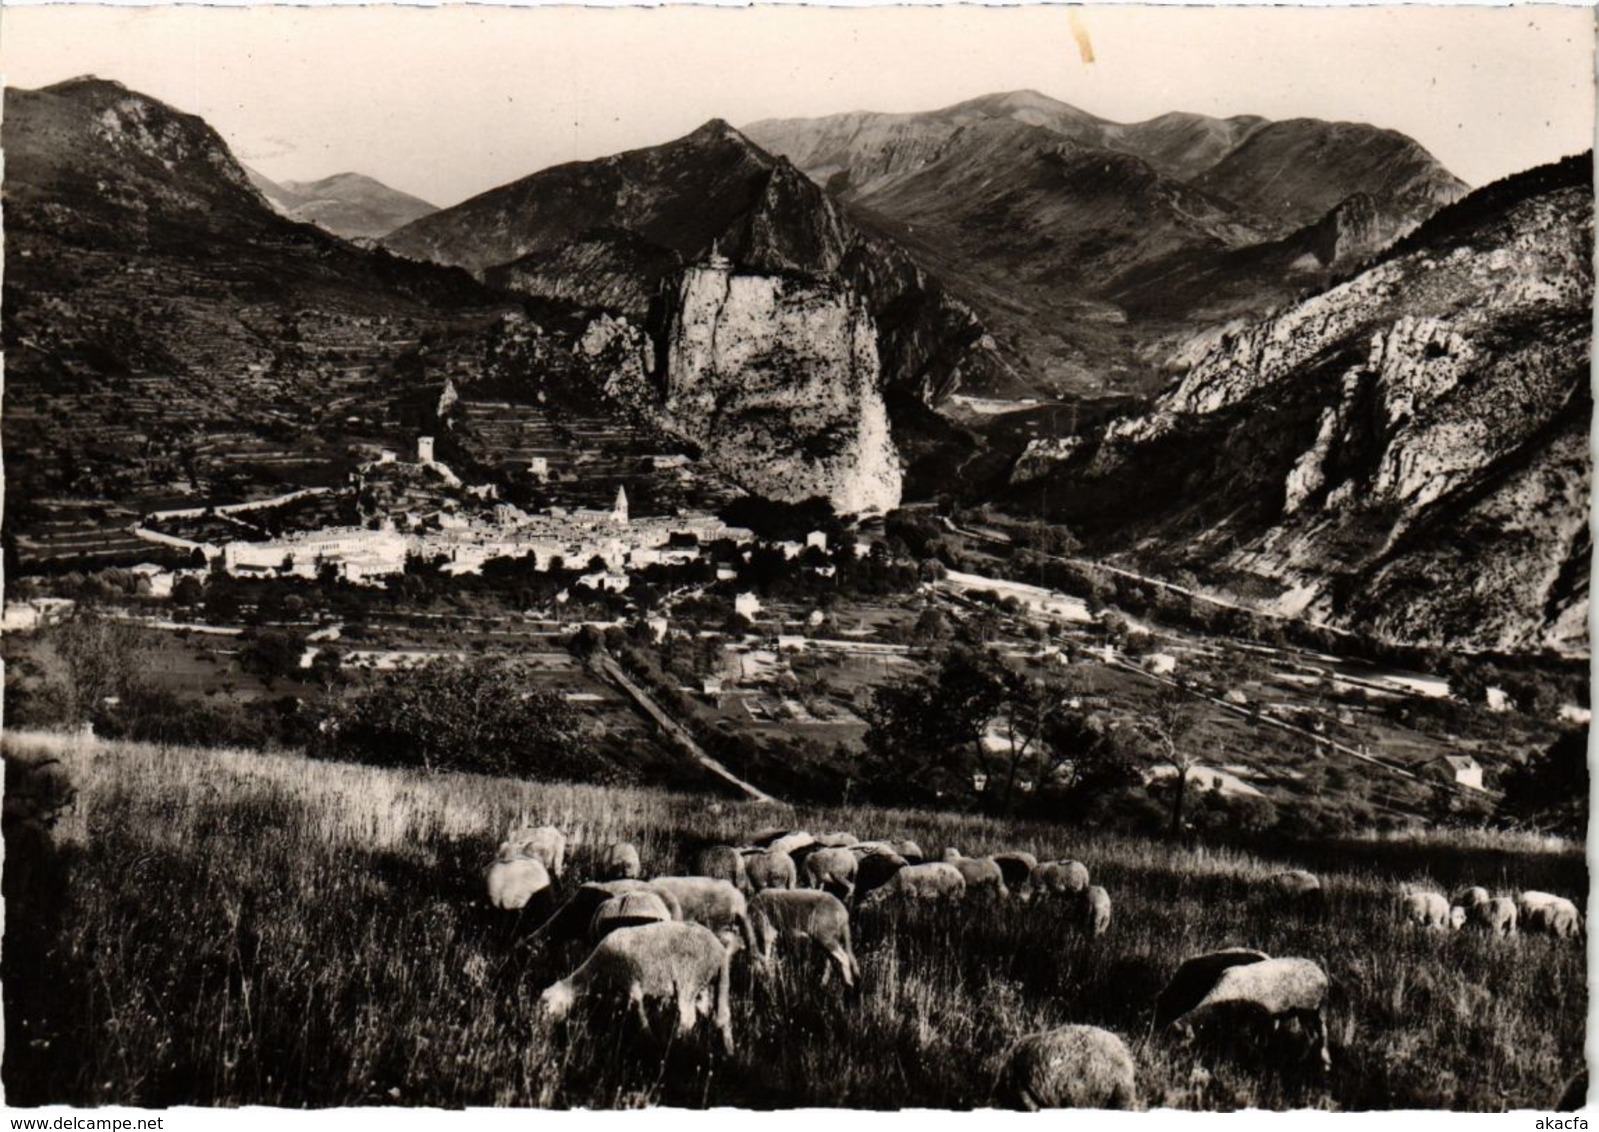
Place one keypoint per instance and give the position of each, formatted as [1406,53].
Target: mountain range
[1312,369]
[351,205]
[1061,229]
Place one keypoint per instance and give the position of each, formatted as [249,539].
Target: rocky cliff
[1405,452]
[777,380]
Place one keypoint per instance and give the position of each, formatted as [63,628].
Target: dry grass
[227,928]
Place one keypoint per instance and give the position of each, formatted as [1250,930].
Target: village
[420,510]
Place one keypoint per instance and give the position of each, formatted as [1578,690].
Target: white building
[1462,770]
[746,605]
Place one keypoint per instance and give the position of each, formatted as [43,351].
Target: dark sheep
[1194,979]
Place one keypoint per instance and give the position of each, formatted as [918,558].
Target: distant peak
[86,80]
[716,128]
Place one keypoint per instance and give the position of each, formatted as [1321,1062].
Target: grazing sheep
[710,901]
[981,875]
[1017,869]
[803,914]
[1427,909]
[935,880]
[543,843]
[682,963]
[1060,878]
[1543,912]
[722,862]
[861,848]
[628,910]
[1575,1094]
[1195,978]
[574,918]
[1296,885]
[770,868]
[908,849]
[838,840]
[832,869]
[952,854]
[622,863]
[792,843]
[1270,988]
[1094,910]
[1497,915]
[514,880]
[875,870]
[1469,898]
[1068,1067]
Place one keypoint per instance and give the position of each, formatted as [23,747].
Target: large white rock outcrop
[776,379]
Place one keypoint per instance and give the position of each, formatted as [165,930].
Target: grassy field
[226,928]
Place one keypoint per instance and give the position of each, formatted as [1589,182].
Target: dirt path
[674,729]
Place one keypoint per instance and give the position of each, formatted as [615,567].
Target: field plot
[226,928]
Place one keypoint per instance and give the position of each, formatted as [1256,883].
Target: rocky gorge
[1404,452]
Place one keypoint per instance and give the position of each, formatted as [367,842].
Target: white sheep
[1549,914]
[935,880]
[769,868]
[982,874]
[514,880]
[791,843]
[804,914]
[1469,898]
[832,869]
[628,910]
[1297,886]
[1430,910]
[1094,910]
[1068,1067]
[1060,878]
[544,843]
[1497,915]
[710,901]
[1273,989]
[684,964]
[722,862]
[622,862]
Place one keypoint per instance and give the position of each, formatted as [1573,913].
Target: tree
[474,716]
[1550,790]
[100,660]
[272,653]
[929,739]
[931,626]
[1167,729]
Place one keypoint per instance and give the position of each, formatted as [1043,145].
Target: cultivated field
[226,928]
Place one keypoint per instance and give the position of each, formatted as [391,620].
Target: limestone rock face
[777,380]
[1404,453]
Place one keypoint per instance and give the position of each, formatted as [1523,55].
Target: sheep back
[1069,1067]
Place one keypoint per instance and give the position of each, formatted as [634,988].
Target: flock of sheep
[671,940]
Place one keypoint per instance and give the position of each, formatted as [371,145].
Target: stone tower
[424,450]
[619,509]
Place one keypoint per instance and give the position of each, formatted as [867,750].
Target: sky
[447,102]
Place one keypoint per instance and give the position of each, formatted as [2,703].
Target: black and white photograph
[793,557]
